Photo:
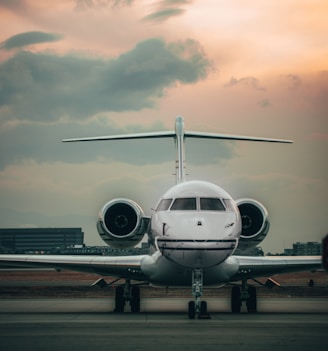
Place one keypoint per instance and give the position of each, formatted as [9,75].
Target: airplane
[193,234]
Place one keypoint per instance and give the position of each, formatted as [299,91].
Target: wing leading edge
[262,266]
[127,267]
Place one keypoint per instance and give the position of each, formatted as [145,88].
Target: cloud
[250,82]
[45,98]
[98,4]
[318,136]
[294,81]
[163,10]
[41,142]
[13,4]
[29,38]
[264,103]
[46,87]
[174,2]
[163,15]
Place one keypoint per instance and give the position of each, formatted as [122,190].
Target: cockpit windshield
[184,204]
[230,205]
[211,204]
[164,205]
[196,204]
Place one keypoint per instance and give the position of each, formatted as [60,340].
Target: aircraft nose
[204,229]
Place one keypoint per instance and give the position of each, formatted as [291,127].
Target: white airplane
[193,233]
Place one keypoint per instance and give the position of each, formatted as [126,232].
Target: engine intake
[255,222]
[122,223]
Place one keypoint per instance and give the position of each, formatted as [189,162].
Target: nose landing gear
[197,307]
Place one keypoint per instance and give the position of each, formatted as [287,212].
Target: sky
[77,68]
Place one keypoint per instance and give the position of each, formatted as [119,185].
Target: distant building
[252,251]
[304,249]
[39,239]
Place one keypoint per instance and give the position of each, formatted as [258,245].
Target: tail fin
[179,134]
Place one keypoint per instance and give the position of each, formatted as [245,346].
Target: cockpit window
[184,204]
[230,205]
[211,204]
[164,205]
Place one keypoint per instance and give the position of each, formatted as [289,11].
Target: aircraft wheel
[251,303]
[235,300]
[203,311]
[191,310]
[119,299]
[203,308]
[135,301]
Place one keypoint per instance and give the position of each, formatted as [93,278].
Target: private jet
[193,234]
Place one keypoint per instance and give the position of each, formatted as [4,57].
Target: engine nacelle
[122,223]
[255,223]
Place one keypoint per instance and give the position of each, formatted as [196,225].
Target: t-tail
[180,150]
[179,135]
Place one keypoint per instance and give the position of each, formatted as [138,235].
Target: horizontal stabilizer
[204,135]
[172,134]
[150,135]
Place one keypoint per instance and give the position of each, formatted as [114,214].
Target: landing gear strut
[197,307]
[247,293]
[127,293]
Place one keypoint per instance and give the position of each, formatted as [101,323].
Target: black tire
[203,308]
[135,292]
[135,305]
[251,303]
[135,301]
[203,314]
[119,300]
[191,310]
[235,300]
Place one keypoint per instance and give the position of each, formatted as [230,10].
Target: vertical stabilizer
[180,150]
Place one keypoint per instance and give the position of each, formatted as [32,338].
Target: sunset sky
[99,67]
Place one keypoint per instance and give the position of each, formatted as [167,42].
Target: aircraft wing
[264,266]
[127,267]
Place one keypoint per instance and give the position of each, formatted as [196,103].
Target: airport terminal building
[305,249]
[39,239]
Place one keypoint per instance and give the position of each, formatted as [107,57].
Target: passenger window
[184,204]
[211,204]
[164,205]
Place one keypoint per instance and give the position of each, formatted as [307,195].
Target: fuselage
[196,224]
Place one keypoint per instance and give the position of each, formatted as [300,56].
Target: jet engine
[255,223]
[122,223]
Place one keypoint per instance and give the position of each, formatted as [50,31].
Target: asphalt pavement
[89,324]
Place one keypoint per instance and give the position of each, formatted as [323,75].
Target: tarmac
[88,324]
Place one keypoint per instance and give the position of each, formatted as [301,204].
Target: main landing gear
[197,307]
[247,293]
[127,293]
